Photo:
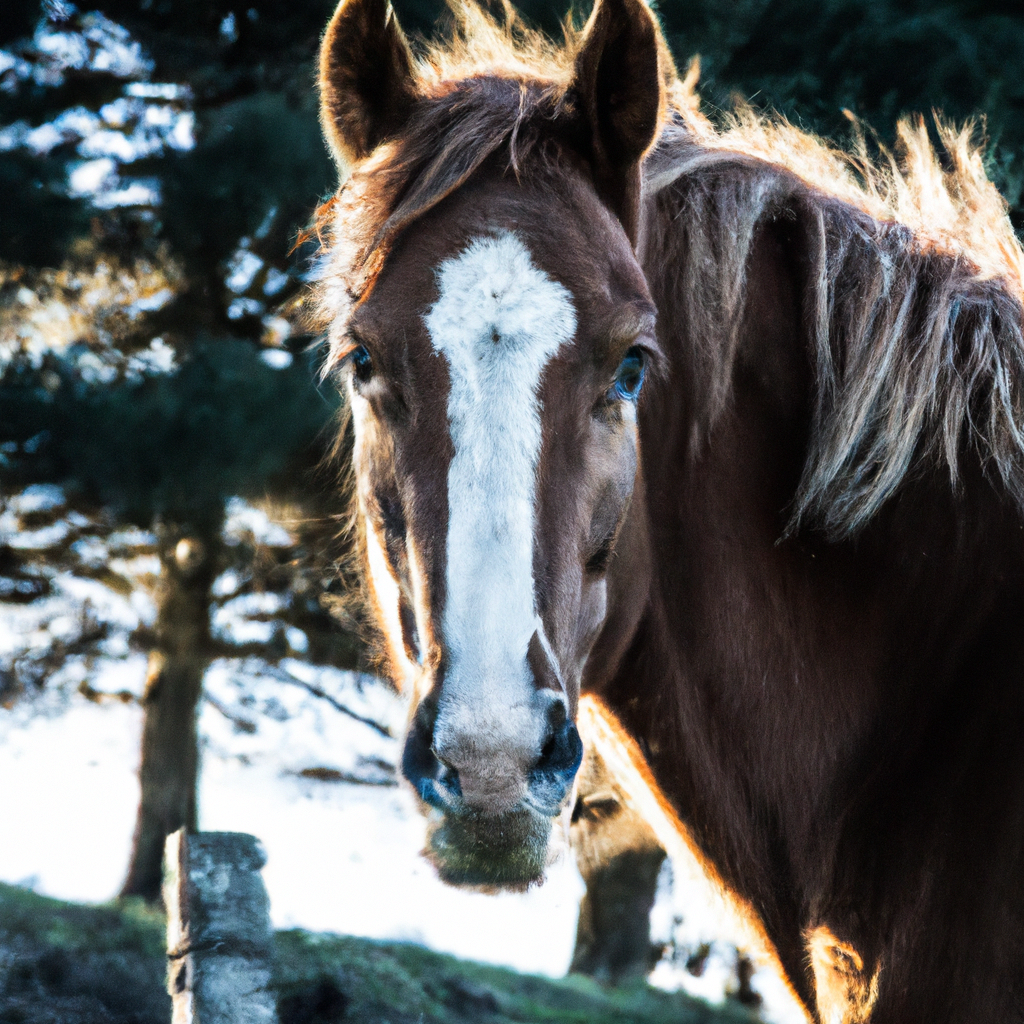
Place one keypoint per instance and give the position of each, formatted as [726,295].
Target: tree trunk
[619,859]
[169,765]
[613,936]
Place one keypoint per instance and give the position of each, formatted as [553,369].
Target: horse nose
[473,769]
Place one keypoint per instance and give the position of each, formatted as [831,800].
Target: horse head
[492,329]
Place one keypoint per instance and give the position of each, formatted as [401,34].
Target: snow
[159,357]
[267,223]
[141,192]
[226,583]
[243,520]
[342,857]
[39,540]
[13,135]
[181,135]
[242,268]
[244,307]
[274,281]
[117,145]
[90,176]
[69,126]
[276,358]
[42,139]
[67,49]
[129,538]
[228,31]
[148,304]
[146,121]
[91,552]
[37,498]
[158,91]
[297,639]
[100,45]
[69,804]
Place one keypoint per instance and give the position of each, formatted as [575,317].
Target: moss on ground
[402,983]
[66,963]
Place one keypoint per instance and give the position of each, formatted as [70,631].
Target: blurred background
[178,641]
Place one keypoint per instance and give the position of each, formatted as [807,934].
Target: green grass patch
[68,963]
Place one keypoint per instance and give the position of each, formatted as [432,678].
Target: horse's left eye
[362,363]
[629,377]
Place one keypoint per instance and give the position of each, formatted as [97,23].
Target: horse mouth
[507,850]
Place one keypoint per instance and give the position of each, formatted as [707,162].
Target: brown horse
[791,566]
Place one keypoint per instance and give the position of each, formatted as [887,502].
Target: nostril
[450,780]
[552,775]
[557,716]
[436,782]
[448,774]
[441,760]
[562,752]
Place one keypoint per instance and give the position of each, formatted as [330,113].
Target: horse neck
[771,671]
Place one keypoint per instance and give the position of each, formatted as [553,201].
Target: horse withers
[721,430]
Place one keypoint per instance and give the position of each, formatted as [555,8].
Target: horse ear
[366,78]
[618,82]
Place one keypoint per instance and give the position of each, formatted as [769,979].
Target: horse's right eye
[629,377]
[362,364]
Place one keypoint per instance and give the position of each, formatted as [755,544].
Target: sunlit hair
[915,277]
[481,43]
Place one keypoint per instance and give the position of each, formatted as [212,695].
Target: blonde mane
[914,303]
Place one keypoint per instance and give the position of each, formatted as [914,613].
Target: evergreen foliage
[167,446]
[158,161]
[879,59]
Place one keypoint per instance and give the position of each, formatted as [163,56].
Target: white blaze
[498,321]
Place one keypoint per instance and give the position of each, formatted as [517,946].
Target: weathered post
[219,941]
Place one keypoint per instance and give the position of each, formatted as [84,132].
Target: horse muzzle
[492,802]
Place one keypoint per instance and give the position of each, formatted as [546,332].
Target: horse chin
[491,852]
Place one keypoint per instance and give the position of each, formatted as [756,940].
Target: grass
[66,963]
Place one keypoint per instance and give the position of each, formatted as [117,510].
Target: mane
[913,303]
[916,279]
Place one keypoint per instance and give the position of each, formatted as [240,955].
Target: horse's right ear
[618,82]
[366,78]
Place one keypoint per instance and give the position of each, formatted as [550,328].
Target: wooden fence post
[219,941]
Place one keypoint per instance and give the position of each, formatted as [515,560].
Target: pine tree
[162,162]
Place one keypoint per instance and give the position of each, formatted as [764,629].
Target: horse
[712,435]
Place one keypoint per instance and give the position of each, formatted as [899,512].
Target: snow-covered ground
[342,857]
[281,745]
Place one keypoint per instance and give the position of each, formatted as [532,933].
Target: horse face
[493,378]
[494,364]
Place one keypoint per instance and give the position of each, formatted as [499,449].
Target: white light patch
[383,584]
[498,321]
[385,590]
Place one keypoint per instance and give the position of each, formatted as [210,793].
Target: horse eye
[629,377]
[362,364]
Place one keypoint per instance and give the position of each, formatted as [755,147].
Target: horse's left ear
[618,82]
[367,86]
